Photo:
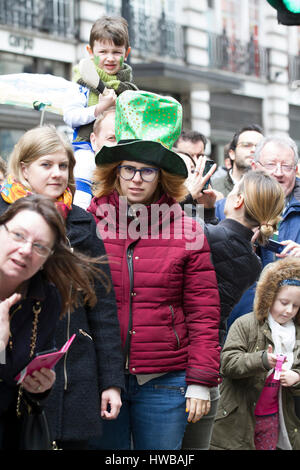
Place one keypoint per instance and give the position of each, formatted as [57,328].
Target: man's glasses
[128,173]
[274,166]
[39,249]
[246,145]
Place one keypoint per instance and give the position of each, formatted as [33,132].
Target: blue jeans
[152,416]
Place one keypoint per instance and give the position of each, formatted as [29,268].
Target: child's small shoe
[89,73]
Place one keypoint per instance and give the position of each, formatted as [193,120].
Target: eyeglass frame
[290,167]
[140,170]
[24,241]
[246,145]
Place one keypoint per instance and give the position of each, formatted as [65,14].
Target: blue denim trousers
[152,416]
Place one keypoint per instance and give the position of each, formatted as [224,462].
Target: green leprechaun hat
[147,126]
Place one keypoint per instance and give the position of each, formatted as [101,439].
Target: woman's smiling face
[19,259]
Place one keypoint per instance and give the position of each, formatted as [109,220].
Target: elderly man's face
[279,162]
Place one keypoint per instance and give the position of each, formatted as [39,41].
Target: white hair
[281,141]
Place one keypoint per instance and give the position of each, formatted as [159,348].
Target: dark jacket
[94,361]
[21,315]
[237,266]
[289,229]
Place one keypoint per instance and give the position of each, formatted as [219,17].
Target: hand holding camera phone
[274,246]
[208,165]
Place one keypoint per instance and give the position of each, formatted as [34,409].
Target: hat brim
[144,151]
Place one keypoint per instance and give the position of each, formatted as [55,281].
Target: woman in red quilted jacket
[165,284]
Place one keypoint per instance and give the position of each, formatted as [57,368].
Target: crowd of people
[186,321]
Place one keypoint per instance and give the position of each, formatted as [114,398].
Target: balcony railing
[159,36]
[151,35]
[232,55]
[48,16]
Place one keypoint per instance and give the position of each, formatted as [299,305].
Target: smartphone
[275,246]
[42,353]
[208,165]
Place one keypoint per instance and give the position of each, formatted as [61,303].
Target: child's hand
[106,101]
[272,358]
[289,378]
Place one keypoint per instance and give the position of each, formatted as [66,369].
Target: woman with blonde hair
[168,303]
[252,211]
[89,380]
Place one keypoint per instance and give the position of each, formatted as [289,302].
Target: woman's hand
[40,381]
[196,408]
[110,397]
[291,249]
[196,182]
[4,319]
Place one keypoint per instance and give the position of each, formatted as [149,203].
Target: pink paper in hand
[278,368]
[45,360]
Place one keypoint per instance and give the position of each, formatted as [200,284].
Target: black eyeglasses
[128,172]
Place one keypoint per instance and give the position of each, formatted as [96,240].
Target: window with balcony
[231,10]
[253,6]
[16,63]
[153,27]
[47,16]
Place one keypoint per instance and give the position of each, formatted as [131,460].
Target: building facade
[228,62]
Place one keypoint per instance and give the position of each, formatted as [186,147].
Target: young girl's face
[286,304]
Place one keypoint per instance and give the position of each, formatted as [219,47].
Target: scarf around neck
[13,190]
[284,337]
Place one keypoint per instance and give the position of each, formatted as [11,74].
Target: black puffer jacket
[94,361]
[237,266]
